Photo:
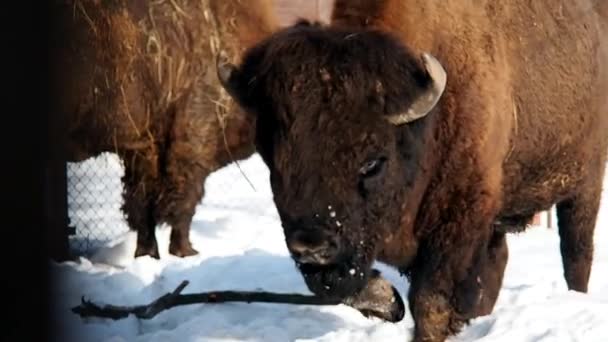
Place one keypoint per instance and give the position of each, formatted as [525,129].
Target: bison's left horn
[428,100]
[226,72]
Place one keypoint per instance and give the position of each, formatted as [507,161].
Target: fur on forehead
[309,69]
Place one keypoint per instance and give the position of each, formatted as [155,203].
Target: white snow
[94,199]
[241,244]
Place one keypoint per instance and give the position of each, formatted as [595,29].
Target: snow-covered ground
[237,231]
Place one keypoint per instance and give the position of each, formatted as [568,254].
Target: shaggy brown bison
[138,78]
[418,133]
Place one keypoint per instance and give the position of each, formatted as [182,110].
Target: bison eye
[372,167]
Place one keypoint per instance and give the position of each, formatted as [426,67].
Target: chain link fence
[94,202]
[95,198]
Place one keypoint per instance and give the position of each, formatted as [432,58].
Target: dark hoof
[147,250]
[379,299]
[182,251]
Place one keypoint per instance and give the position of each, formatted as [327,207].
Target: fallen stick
[175,298]
[373,301]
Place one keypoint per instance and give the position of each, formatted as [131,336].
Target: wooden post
[288,11]
[324,10]
[537,219]
[55,205]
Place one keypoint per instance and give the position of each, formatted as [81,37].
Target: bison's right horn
[428,100]
[226,72]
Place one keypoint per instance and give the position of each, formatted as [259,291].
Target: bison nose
[312,248]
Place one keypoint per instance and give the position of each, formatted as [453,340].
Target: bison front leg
[454,282]
[492,273]
[180,222]
[182,191]
[139,197]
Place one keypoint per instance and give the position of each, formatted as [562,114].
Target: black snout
[313,247]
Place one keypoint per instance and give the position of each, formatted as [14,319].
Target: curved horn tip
[427,101]
[435,70]
[222,55]
[224,67]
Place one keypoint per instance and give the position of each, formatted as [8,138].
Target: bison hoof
[182,251]
[147,250]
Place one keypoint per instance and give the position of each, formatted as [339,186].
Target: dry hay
[138,59]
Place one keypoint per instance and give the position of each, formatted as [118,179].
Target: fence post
[56,209]
[324,9]
[55,199]
[288,11]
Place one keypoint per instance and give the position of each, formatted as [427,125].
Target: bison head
[339,119]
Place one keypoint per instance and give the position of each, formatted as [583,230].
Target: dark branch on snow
[370,303]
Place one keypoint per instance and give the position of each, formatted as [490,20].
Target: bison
[419,133]
[138,78]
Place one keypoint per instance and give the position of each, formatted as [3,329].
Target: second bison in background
[138,78]
[417,133]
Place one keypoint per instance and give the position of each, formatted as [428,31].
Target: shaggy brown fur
[521,126]
[138,78]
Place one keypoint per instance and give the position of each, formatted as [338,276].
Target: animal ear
[428,99]
[227,74]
